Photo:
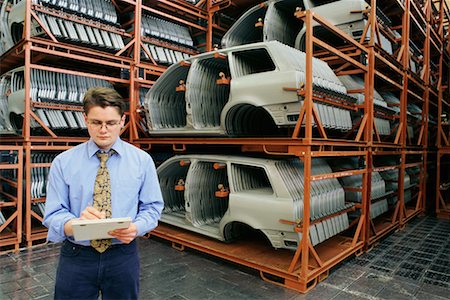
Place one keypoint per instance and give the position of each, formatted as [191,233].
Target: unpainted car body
[241,90]
[218,196]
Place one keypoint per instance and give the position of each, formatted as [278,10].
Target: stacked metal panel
[89,36]
[103,10]
[378,208]
[414,112]
[102,31]
[166,106]
[273,21]
[204,207]
[350,183]
[5,86]
[2,219]
[205,99]
[6,40]
[14,97]
[348,16]
[391,179]
[142,92]
[201,195]
[198,107]
[415,58]
[164,55]
[414,118]
[170,177]
[49,87]
[39,175]
[174,35]
[165,30]
[354,82]
[327,197]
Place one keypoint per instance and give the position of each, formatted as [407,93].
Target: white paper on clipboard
[97,229]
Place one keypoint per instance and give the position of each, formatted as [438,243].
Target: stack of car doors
[220,196]
[414,114]
[391,177]
[381,108]
[39,177]
[50,88]
[5,87]
[353,186]
[273,20]
[415,58]
[171,42]
[327,198]
[227,91]
[6,40]
[350,17]
[92,23]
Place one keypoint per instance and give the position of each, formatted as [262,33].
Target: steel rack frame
[300,270]
[410,154]
[49,54]
[144,73]
[303,269]
[442,202]
[442,184]
[383,225]
[11,229]
[414,89]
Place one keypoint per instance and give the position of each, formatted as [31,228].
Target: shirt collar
[93,148]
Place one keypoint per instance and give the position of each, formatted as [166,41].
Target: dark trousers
[83,272]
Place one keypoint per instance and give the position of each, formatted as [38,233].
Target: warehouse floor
[410,264]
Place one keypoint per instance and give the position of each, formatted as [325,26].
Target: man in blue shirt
[134,191]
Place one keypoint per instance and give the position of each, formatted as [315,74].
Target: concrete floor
[411,264]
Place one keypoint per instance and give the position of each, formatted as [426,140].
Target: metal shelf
[276,266]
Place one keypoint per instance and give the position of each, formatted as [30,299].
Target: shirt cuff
[142,229]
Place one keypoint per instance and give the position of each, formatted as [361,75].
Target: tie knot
[104,156]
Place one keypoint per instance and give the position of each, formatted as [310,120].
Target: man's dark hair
[103,97]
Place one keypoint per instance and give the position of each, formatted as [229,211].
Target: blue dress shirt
[135,190]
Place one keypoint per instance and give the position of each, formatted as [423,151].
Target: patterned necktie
[102,196]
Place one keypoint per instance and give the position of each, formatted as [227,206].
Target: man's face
[104,125]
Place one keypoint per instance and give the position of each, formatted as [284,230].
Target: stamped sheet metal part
[48,87]
[226,92]
[220,196]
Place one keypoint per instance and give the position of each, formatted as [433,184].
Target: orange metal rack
[302,269]
[49,54]
[11,229]
[442,203]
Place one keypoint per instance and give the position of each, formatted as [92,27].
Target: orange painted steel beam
[186,7]
[14,236]
[56,106]
[77,73]
[262,257]
[173,18]
[77,19]
[121,63]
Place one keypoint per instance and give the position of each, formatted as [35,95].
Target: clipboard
[97,229]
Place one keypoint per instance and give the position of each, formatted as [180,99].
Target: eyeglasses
[96,124]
